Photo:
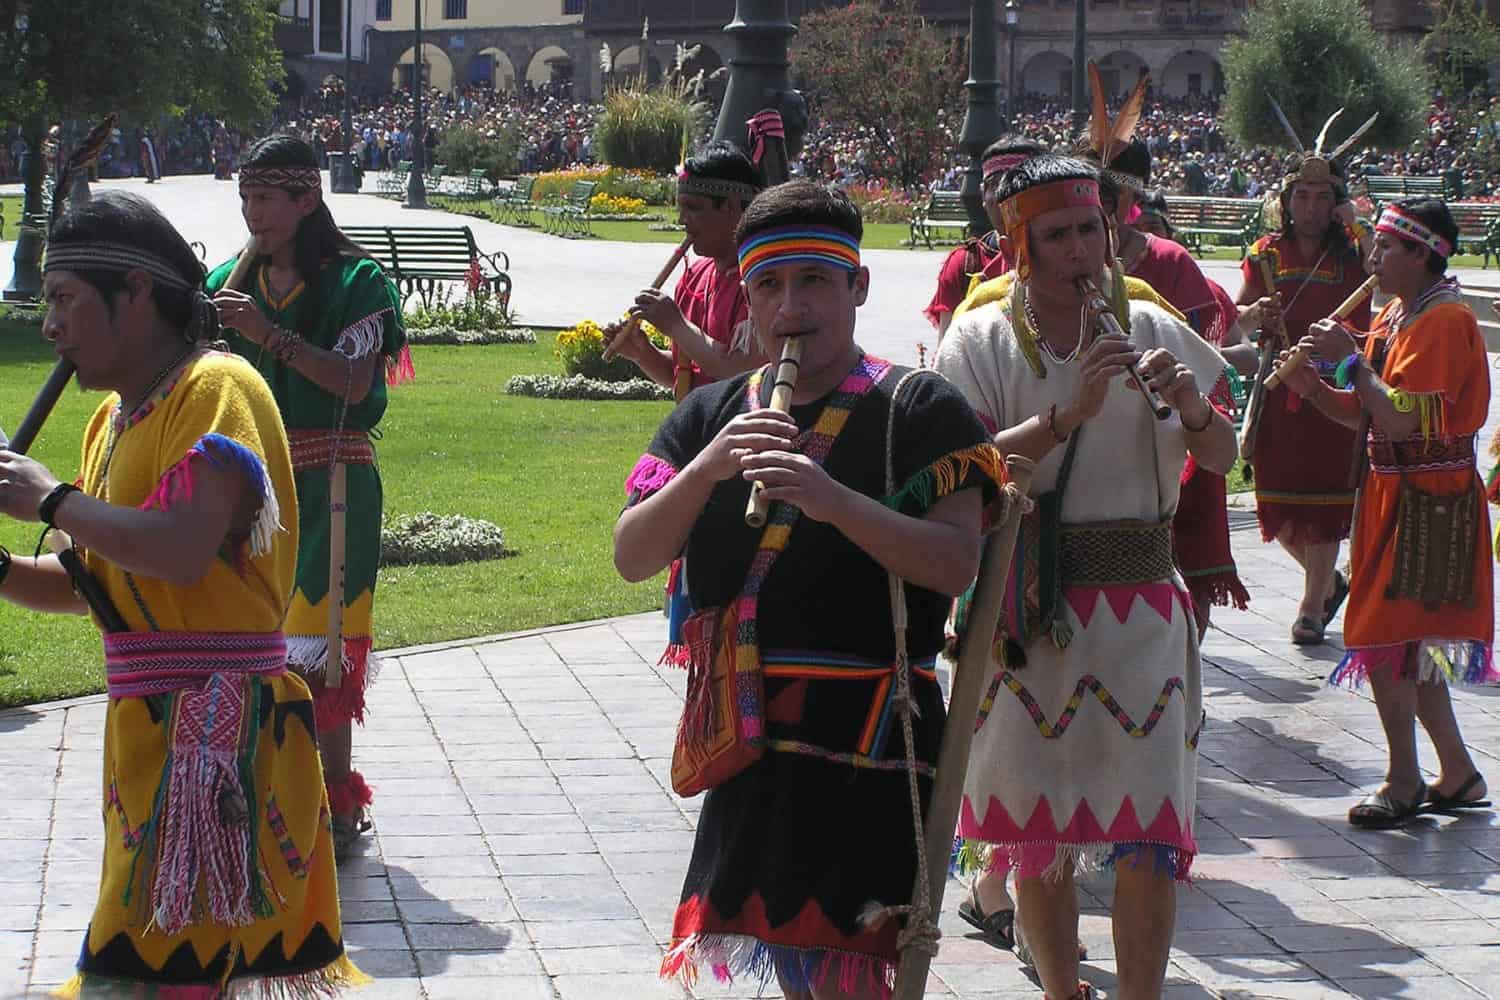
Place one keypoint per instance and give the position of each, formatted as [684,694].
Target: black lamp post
[1012,28]
[26,276]
[342,181]
[982,121]
[1080,56]
[416,186]
[759,76]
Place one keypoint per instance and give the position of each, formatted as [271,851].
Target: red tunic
[714,301]
[1302,459]
[1200,528]
[957,275]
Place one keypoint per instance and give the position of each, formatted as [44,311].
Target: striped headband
[1395,222]
[1021,208]
[715,187]
[1001,162]
[296,178]
[798,244]
[114,257]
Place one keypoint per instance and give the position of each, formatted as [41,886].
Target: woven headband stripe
[1001,162]
[113,257]
[282,177]
[1397,223]
[818,245]
[1021,208]
[714,187]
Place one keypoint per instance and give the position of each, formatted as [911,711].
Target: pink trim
[400,369]
[334,707]
[1160,597]
[349,795]
[649,475]
[1083,827]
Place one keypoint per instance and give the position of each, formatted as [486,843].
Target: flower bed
[446,334]
[583,387]
[439,540]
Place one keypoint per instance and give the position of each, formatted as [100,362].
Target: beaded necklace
[1042,341]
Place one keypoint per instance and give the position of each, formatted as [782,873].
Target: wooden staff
[338,509]
[974,667]
[781,402]
[242,264]
[1343,312]
[612,348]
[1256,403]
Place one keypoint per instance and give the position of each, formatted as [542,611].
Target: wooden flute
[1110,325]
[781,402]
[1298,355]
[611,349]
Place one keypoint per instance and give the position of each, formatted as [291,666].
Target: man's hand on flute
[798,480]
[240,311]
[24,484]
[660,310]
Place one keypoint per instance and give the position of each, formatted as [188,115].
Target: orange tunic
[1439,362]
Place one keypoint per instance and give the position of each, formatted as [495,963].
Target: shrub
[608,204]
[583,387]
[648,129]
[464,148]
[581,350]
[882,205]
[478,310]
[613,181]
[436,540]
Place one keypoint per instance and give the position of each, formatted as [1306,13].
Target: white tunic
[1092,745]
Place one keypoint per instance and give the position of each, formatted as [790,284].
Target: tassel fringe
[335,977]
[1219,589]
[649,475]
[308,655]
[177,482]
[350,795]
[1053,861]
[400,369]
[947,474]
[363,337]
[1461,662]
[732,955]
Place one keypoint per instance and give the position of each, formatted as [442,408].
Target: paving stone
[499,987]
[461,937]
[604,959]
[587,933]
[645,985]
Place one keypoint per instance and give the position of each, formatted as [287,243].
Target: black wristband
[4,563]
[46,512]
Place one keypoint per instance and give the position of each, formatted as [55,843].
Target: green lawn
[550,473]
[11,205]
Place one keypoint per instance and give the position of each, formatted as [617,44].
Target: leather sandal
[996,927]
[1307,631]
[1340,592]
[1378,811]
[1085,992]
[1455,803]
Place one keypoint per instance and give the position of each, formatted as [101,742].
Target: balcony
[293,35]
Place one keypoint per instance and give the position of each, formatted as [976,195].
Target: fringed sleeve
[177,484]
[647,478]
[979,465]
[941,447]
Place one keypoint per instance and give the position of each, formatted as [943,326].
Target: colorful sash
[314,449]
[723,727]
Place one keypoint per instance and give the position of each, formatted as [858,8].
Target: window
[456,10]
[331,26]
[572,6]
[382,10]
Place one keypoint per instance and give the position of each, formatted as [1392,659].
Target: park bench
[392,183]
[513,206]
[1478,227]
[570,217]
[944,211]
[475,187]
[435,177]
[1382,188]
[418,258]
[1196,217]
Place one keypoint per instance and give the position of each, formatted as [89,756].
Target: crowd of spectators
[553,129]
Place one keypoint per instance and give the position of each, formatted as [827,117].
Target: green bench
[434,179]
[1196,217]
[419,258]
[475,188]
[392,183]
[943,212]
[514,206]
[1383,188]
[1478,227]
[570,217]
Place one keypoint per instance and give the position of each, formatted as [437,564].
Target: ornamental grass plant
[647,129]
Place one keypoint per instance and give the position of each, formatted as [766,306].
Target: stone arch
[1191,72]
[706,59]
[492,64]
[1120,70]
[549,63]
[1049,73]
[439,68]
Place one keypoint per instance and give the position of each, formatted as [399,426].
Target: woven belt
[1454,453]
[1113,553]
[138,664]
[314,449]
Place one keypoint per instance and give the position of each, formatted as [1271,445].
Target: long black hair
[318,239]
[126,219]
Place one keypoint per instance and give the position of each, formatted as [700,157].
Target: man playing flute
[322,323]
[1085,752]
[217,877]
[706,317]
[874,471]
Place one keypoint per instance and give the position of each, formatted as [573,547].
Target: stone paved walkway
[527,844]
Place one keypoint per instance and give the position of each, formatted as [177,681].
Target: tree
[142,58]
[1461,44]
[879,65]
[1314,57]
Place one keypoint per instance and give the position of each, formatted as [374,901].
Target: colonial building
[505,43]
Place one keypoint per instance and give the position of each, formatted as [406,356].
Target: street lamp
[416,187]
[982,121]
[758,73]
[1012,28]
[26,275]
[1080,56]
[342,181]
